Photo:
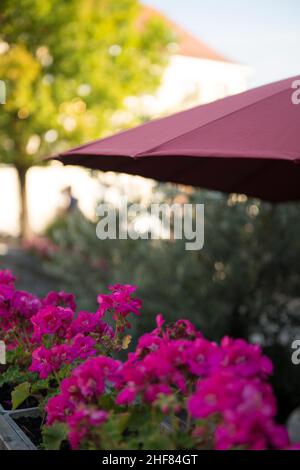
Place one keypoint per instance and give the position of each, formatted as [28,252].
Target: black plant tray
[11,435]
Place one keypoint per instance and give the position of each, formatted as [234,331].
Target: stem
[55,375]
[28,343]
[188,422]
[24,219]
[17,338]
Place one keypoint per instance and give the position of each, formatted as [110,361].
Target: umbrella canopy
[247,143]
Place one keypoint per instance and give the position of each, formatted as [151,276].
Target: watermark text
[296,94]
[160,221]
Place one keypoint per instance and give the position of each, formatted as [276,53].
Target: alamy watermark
[2,92]
[296,354]
[295,97]
[160,221]
[2,353]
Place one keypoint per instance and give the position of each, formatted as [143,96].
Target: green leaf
[39,385]
[54,435]
[10,375]
[157,441]
[106,402]
[123,421]
[19,394]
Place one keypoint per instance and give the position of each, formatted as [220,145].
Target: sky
[264,34]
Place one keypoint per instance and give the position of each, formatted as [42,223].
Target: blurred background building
[196,73]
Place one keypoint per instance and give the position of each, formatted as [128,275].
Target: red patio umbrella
[247,143]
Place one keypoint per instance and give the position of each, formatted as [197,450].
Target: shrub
[245,282]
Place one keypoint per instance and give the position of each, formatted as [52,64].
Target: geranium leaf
[19,394]
[54,435]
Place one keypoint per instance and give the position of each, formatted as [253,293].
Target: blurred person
[71,204]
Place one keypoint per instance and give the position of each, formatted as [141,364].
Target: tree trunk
[24,220]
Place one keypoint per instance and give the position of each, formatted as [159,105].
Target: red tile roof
[188,45]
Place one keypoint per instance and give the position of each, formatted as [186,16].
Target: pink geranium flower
[120,301]
[47,361]
[58,408]
[41,362]
[81,422]
[247,359]
[25,304]
[7,278]
[60,299]
[87,322]
[51,320]
[82,347]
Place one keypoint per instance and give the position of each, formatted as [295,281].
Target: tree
[68,67]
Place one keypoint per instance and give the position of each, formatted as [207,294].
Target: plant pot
[11,435]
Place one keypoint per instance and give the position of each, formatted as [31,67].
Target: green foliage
[10,375]
[68,67]
[54,436]
[137,428]
[26,385]
[41,390]
[16,372]
[20,394]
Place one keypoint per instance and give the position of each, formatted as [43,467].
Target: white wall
[190,81]
[206,80]
[9,202]
[44,186]
[44,193]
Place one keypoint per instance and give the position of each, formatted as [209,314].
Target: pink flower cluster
[71,337]
[51,320]
[164,359]
[175,369]
[68,338]
[76,405]
[20,311]
[222,388]
[244,409]
[26,318]
[121,303]
[52,333]
[16,309]
[49,361]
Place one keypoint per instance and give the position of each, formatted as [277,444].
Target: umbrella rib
[146,152]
